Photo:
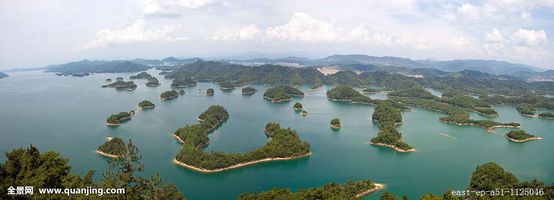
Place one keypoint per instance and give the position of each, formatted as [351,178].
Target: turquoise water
[66,114]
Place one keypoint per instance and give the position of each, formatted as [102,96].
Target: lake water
[67,114]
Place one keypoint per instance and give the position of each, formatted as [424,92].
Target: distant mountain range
[2,75]
[354,62]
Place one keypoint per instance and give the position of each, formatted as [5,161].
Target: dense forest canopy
[282,93]
[146,104]
[114,146]
[183,82]
[153,82]
[118,118]
[349,190]
[167,95]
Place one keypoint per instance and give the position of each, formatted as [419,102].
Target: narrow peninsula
[387,117]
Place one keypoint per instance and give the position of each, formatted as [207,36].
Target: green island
[282,93]
[119,78]
[489,177]
[183,83]
[181,92]
[335,124]
[142,75]
[284,144]
[210,92]
[168,95]
[547,115]
[113,148]
[297,106]
[108,80]
[31,167]
[153,82]
[117,119]
[349,190]
[387,117]
[348,94]
[520,136]
[304,113]
[122,85]
[146,105]
[227,85]
[248,90]
[526,109]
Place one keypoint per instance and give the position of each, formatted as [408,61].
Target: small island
[181,92]
[168,95]
[183,83]
[142,75]
[387,117]
[282,93]
[547,115]
[153,82]
[108,80]
[113,148]
[283,144]
[210,92]
[349,190]
[248,90]
[119,78]
[304,113]
[226,86]
[335,124]
[117,119]
[122,85]
[146,105]
[348,94]
[297,107]
[520,136]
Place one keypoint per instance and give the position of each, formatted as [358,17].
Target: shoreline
[108,155]
[524,140]
[335,127]
[182,164]
[393,147]
[378,186]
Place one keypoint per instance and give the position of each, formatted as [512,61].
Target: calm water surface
[66,114]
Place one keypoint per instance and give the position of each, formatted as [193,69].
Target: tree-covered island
[282,93]
[349,190]
[142,75]
[168,95]
[335,124]
[248,90]
[348,94]
[108,80]
[227,85]
[547,115]
[526,109]
[146,105]
[153,82]
[297,107]
[181,92]
[113,148]
[117,119]
[284,144]
[122,85]
[119,78]
[520,136]
[387,117]
[210,92]
[183,83]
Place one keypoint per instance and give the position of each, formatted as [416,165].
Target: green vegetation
[525,109]
[282,93]
[284,143]
[547,115]
[456,115]
[346,93]
[142,75]
[146,105]
[470,103]
[183,83]
[387,116]
[29,167]
[350,190]
[108,80]
[181,92]
[153,82]
[248,90]
[415,91]
[534,101]
[122,85]
[119,78]
[297,106]
[335,123]
[114,146]
[116,119]
[210,92]
[227,85]
[519,135]
[167,95]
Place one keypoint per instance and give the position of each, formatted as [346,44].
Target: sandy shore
[393,147]
[378,186]
[178,138]
[113,125]
[237,165]
[334,126]
[525,140]
[108,155]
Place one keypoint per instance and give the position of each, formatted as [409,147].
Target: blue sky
[35,33]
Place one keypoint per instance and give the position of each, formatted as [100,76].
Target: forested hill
[86,66]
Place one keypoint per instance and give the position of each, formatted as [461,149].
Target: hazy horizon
[37,35]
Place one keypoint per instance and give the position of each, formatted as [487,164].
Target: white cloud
[134,33]
[245,33]
[526,16]
[172,8]
[524,37]
[304,27]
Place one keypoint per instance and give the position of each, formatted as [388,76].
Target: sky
[37,33]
